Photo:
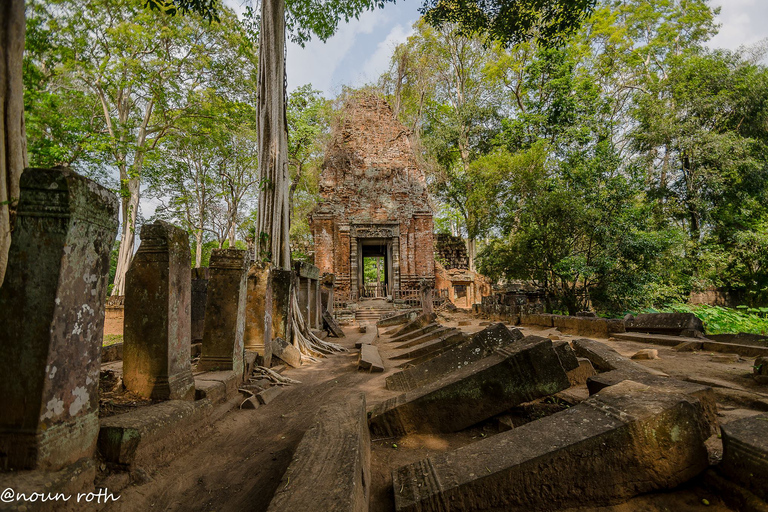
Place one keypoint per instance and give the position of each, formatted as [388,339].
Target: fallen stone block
[587,326]
[423,338]
[566,355]
[449,339]
[214,391]
[398,319]
[369,359]
[481,345]
[230,380]
[368,338]
[605,359]
[703,393]
[286,352]
[417,323]
[330,470]
[745,453]
[416,333]
[681,324]
[135,436]
[518,373]
[646,354]
[269,394]
[431,354]
[250,403]
[333,327]
[628,440]
[578,376]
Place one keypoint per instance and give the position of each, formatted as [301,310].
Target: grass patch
[111,339]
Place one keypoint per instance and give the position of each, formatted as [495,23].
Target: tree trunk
[273,222]
[198,248]
[471,250]
[13,139]
[130,207]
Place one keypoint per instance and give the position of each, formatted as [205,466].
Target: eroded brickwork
[373,192]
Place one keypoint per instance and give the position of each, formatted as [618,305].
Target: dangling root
[311,347]
[273,376]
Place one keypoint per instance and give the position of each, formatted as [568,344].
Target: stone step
[628,440]
[369,359]
[331,467]
[433,346]
[481,345]
[513,375]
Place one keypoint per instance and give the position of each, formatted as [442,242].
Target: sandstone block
[286,352]
[745,453]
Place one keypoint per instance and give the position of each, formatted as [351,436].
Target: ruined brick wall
[451,251]
[372,188]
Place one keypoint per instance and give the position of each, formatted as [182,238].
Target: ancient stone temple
[374,204]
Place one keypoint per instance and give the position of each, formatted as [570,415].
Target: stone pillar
[157,333]
[326,294]
[426,296]
[282,281]
[199,291]
[316,314]
[52,319]
[258,313]
[225,311]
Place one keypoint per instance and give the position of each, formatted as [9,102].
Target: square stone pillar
[158,321]
[199,291]
[282,282]
[315,312]
[327,282]
[52,319]
[258,313]
[225,311]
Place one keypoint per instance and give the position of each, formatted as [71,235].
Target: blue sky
[360,50]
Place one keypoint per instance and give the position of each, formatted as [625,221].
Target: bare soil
[236,463]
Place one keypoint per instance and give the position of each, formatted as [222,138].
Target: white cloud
[378,62]
[318,62]
[743,23]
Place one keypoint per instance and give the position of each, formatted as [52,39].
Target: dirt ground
[237,463]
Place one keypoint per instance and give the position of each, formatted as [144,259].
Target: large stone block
[627,440]
[258,313]
[225,312]
[683,324]
[199,292]
[431,346]
[52,319]
[417,323]
[156,346]
[511,376]
[331,468]
[482,344]
[745,453]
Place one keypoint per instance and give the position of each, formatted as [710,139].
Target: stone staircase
[369,311]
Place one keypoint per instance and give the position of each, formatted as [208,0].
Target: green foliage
[720,320]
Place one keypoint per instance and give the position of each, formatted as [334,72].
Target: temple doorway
[374,267]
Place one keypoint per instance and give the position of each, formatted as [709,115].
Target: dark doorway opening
[375,267]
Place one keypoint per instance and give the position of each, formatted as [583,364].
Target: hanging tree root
[311,347]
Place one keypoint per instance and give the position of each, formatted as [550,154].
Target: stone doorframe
[357,233]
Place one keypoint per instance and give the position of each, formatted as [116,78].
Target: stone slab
[605,359]
[332,325]
[423,338]
[214,391]
[745,453]
[432,353]
[286,352]
[368,337]
[417,323]
[628,440]
[703,393]
[685,324]
[416,333]
[432,346]
[518,373]
[587,326]
[398,319]
[667,340]
[482,344]
[566,355]
[578,376]
[369,359]
[228,379]
[330,469]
